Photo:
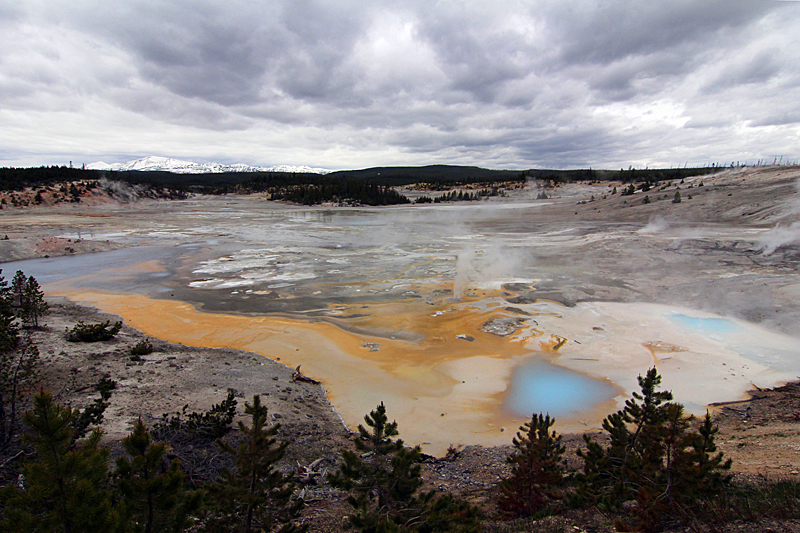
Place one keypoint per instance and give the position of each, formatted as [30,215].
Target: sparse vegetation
[659,469]
[212,424]
[93,332]
[143,347]
[655,469]
[383,479]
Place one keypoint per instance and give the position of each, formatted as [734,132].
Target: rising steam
[121,191]
[782,235]
[657,224]
[495,264]
[779,236]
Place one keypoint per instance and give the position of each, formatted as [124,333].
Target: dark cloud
[780,119]
[353,83]
[605,32]
[756,70]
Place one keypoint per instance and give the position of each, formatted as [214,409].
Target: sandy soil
[175,375]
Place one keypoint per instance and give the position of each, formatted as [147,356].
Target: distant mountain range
[166,164]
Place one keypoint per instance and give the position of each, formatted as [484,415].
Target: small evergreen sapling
[65,487]
[152,498]
[383,479]
[256,496]
[613,475]
[654,459]
[701,473]
[535,484]
[32,304]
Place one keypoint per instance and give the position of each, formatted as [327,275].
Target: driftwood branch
[298,376]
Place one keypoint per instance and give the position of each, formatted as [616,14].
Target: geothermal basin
[463,319]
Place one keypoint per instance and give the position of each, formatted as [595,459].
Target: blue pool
[539,387]
[706,325]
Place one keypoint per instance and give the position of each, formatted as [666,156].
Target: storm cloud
[348,84]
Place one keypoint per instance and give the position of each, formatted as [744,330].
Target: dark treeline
[372,186]
[436,177]
[341,191]
[457,196]
[444,176]
[16,179]
[211,183]
[369,186]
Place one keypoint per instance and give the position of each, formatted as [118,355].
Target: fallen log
[298,376]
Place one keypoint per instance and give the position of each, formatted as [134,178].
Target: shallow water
[706,325]
[540,387]
[392,304]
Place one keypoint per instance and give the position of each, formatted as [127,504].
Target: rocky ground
[174,376]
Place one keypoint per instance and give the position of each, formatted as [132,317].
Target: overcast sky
[352,84]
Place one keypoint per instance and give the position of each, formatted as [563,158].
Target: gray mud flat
[174,376]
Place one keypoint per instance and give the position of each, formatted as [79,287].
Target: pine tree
[256,496]
[19,373]
[538,470]
[19,357]
[65,489]
[701,472]
[9,329]
[654,458]
[17,288]
[32,304]
[613,475]
[383,479]
[153,499]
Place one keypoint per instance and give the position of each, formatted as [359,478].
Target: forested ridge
[373,186]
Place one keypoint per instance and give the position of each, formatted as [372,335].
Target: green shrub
[212,424]
[93,332]
[143,347]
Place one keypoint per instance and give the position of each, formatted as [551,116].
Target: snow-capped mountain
[166,164]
